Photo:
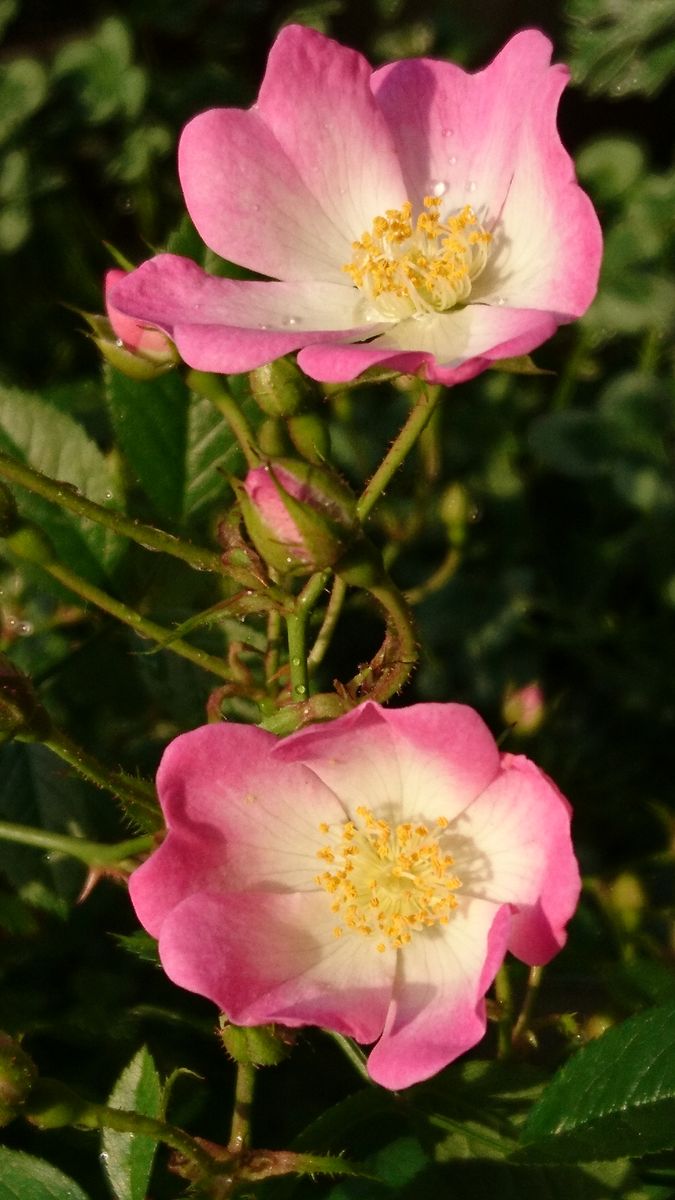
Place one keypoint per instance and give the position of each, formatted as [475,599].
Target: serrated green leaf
[23,1177]
[128,1157]
[211,454]
[150,423]
[53,443]
[615,1098]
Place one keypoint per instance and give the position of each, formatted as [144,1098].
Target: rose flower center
[408,269]
[387,881]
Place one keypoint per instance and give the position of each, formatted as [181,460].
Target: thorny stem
[399,624]
[94,854]
[137,795]
[100,1116]
[211,387]
[122,612]
[240,1130]
[399,449]
[64,495]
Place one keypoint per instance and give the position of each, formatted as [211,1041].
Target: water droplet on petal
[448,132]
[291,321]
[263,326]
[471,185]
[501,301]
[119,343]
[452,160]
[439,188]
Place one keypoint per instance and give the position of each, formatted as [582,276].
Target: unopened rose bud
[280,388]
[524,708]
[18,1074]
[455,510]
[300,517]
[138,350]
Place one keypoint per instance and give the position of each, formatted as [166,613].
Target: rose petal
[438,1011]
[249,203]
[230,325]
[233,821]
[317,101]
[266,958]
[513,845]
[425,761]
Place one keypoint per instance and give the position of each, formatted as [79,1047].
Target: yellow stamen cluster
[387,881]
[407,269]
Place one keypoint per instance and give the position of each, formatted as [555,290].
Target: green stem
[398,655]
[437,579]
[66,496]
[272,652]
[399,449]
[100,1116]
[116,608]
[137,795]
[211,387]
[93,854]
[504,995]
[353,1052]
[296,628]
[525,1015]
[240,1131]
[330,620]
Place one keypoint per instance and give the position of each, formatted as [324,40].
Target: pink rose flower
[367,875]
[416,217]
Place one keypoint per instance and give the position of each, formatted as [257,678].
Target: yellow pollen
[406,268]
[388,881]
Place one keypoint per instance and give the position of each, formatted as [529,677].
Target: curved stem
[143,626]
[66,496]
[93,854]
[330,620]
[399,449]
[525,1015]
[211,387]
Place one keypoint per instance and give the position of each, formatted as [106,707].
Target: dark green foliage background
[566,572]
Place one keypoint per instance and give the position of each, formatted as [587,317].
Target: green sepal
[310,436]
[257,1045]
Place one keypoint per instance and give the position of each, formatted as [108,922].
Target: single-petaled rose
[367,875]
[415,217]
